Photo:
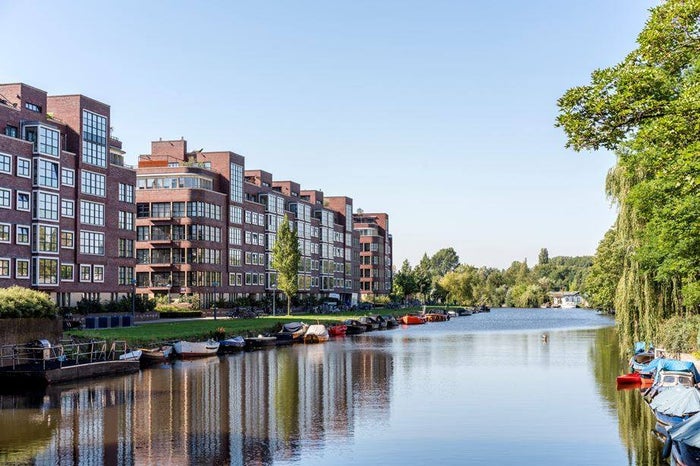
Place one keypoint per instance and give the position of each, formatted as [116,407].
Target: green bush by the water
[17,301]
[680,334]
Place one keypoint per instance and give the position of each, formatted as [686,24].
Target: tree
[459,284]
[443,261]
[285,259]
[404,281]
[543,256]
[606,271]
[423,277]
[646,109]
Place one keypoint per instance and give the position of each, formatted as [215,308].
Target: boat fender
[667,447]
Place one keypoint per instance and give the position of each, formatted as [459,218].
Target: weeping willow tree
[647,110]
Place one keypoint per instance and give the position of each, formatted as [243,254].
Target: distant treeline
[442,279]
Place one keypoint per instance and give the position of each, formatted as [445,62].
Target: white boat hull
[188,349]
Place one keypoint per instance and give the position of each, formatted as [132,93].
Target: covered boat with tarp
[317,333]
[676,404]
[642,356]
[683,442]
[668,373]
[292,332]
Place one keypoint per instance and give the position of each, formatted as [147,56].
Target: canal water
[509,387]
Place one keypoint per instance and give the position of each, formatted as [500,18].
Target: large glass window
[92,213]
[45,238]
[48,142]
[126,275]
[126,220]
[94,139]
[45,206]
[126,247]
[143,234]
[92,183]
[45,173]
[126,193]
[92,242]
[160,210]
[236,214]
[46,271]
[236,183]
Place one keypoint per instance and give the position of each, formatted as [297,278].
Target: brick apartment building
[66,198]
[206,226]
[375,259]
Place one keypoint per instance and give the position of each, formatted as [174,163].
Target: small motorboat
[316,333]
[683,442]
[134,355]
[231,345]
[369,323]
[354,327]
[452,313]
[380,320]
[412,319]
[198,349]
[292,332]
[391,321]
[463,311]
[261,341]
[631,380]
[675,405]
[337,330]
[436,315]
[156,355]
[642,356]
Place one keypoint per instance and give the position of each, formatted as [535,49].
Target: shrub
[17,301]
[679,334]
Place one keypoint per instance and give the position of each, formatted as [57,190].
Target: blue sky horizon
[439,113]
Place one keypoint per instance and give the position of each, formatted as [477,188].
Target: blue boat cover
[664,364]
[640,347]
[687,431]
[292,327]
[677,401]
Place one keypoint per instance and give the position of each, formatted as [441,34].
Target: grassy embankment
[145,334]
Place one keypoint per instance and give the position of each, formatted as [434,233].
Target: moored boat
[156,355]
[231,345]
[391,321]
[292,332]
[412,319]
[463,311]
[369,323]
[675,405]
[354,327]
[196,349]
[316,333]
[261,341]
[436,315]
[642,356]
[683,442]
[337,330]
[668,373]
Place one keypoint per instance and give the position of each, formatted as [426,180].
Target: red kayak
[629,379]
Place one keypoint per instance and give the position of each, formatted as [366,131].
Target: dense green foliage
[17,301]
[286,259]
[440,280]
[647,109]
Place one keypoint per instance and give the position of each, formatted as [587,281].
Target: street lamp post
[274,298]
[133,301]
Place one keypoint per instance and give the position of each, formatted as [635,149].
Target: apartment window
[45,238]
[46,271]
[143,210]
[85,273]
[126,193]
[126,220]
[32,107]
[67,177]
[67,208]
[94,139]
[248,278]
[67,239]
[92,243]
[11,131]
[5,164]
[46,206]
[236,214]
[5,232]
[24,167]
[67,272]
[98,273]
[234,236]
[92,213]
[160,210]
[178,209]
[45,173]
[23,201]
[236,176]
[126,275]
[143,256]
[234,257]
[178,232]
[5,198]
[22,268]
[5,268]
[92,183]
[48,142]
[22,234]
[126,247]
[143,234]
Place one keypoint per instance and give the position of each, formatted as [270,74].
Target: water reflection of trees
[636,420]
[250,408]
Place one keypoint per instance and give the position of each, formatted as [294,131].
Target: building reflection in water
[251,408]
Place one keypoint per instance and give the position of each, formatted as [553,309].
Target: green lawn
[198,329]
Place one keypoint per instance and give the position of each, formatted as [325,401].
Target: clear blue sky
[440,113]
